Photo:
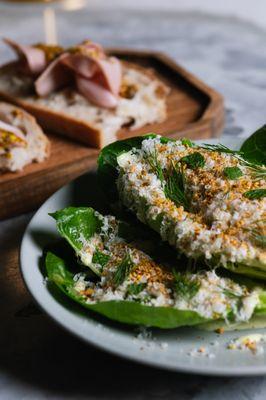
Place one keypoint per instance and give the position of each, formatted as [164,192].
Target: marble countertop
[230,56]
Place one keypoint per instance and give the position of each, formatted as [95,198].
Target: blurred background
[223,43]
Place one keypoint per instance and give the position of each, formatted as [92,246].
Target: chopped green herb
[135,288]
[194,160]
[232,172]
[258,172]
[187,142]
[185,287]
[255,194]
[123,270]
[100,258]
[175,186]
[258,238]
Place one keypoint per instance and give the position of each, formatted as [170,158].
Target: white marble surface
[229,55]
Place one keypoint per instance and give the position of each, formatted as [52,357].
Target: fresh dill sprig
[258,172]
[123,270]
[172,179]
[174,188]
[220,148]
[258,233]
[184,286]
[152,159]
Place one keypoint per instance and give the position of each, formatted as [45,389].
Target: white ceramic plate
[171,349]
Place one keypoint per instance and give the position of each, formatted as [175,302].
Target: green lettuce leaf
[254,148]
[107,161]
[128,312]
[61,270]
[134,313]
[77,225]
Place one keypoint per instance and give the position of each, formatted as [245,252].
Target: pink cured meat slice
[95,93]
[89,67]
[97,76]
[99,80]
[80,64]
[54,77]
[33,59]
[112,72]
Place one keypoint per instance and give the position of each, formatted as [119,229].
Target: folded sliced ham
[112,73]
[97,76]
[54,77]
[11,136]
[99,80]
[80,64]
[33,60]
[95,93]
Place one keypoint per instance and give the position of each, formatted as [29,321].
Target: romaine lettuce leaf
[128,312]
[254,148]
[63,272]
[107,161]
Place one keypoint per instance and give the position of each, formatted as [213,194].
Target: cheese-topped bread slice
[22,141]
[85,94]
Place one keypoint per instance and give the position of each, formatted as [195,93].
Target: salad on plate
[183,243]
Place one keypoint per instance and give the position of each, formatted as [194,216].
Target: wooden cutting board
[194,110]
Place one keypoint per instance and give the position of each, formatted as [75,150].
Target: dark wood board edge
[36,192]
[215,101]
[204,127]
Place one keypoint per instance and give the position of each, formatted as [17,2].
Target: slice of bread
[142,101]
[37,145]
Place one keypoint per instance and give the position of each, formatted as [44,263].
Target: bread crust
[58,123]
[63,124]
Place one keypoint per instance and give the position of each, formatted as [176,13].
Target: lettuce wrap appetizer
[130,284]
[208,202]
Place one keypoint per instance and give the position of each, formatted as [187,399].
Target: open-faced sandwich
[22,140]
[197,258]
[82,92]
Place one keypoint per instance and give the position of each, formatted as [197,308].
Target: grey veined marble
[227,53]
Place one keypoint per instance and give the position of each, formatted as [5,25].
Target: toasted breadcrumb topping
[153,284]
[218,222]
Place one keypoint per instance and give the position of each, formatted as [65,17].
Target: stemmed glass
[49,9]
